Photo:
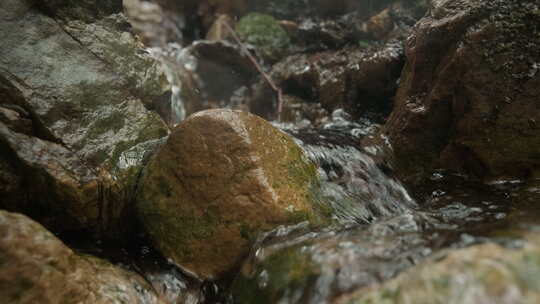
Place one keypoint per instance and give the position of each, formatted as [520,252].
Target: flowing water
[382,230]
[380,227]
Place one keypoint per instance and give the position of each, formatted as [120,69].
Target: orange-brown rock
[468,96]
[36,267]
[222,177]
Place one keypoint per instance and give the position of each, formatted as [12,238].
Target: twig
[259,69]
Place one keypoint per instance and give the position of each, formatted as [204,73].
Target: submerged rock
[222,177]
[468,96]
[82,87]
[38,268]
[315,267]
[486,273]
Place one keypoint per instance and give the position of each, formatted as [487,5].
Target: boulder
[468,96]
[38,268]
[78,90]
[357,79]
[222,177]
[486,273]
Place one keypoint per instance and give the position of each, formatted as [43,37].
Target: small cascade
[358,188]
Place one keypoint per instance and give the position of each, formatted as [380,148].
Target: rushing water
[382,230]
[379,229]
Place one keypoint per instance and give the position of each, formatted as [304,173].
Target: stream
[380,227]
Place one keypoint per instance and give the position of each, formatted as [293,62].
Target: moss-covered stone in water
[275,280]
[265,33]
[204,203]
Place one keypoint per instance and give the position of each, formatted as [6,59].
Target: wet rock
[485,273]
[38,268]
[110,40]
[468,95]
[86,10]
[316,267]
[222,177]
[297,10]
[15,120]
[83,95]
[378,26]
[266,34]
[11,183]
[356,79]
[65,189]
[297,110]
[373,74]
[214,61]
[320,35]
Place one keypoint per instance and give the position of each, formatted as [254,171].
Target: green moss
[527,271]
[364,44]
[265,33]
[111,123]
[246,232]
[176,232]
[287,270]
[142,73]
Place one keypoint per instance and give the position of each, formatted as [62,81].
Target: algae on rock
[222,177]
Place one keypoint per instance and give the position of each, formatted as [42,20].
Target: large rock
[357,79]
[485,273]
[36,267]
[222,177]
[468,96]
[77,89]
[318,267]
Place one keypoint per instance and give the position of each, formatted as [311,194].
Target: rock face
[468,96]
[87,10]
[39,268]
[75,94]
[222,177]
[356,79]
[484,273]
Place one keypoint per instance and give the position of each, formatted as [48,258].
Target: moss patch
[265,33]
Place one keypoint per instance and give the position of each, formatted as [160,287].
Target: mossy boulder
[283,278]
[468,96]
[36,267]
[222,177]
[81,87]
[266,34]
[486,273]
